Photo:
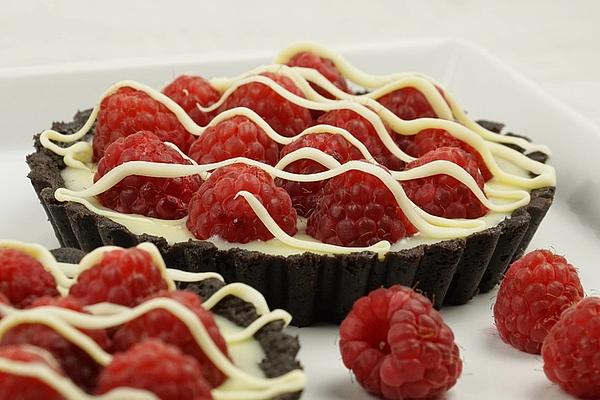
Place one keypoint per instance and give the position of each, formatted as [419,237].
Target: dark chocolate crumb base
[312,287]
[280,348]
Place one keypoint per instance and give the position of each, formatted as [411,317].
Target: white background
[555,43]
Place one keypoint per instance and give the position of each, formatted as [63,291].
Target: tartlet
[240,307]
[322,285]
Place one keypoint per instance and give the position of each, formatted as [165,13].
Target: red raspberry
[234,137]
[571,351]
[537,288]
[430,139]
[165,198]
[190,91]
[159,368]
[304,194]
[285,117]
[357,209]
[214,210]
[23,278]
[123,276]
[443,195]
[129,111]
[364,131]
[407,103]
[76,363]
[324,65]
[398,345]
[23,388]
[161,324]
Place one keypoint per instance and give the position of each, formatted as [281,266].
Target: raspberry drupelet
[285,117]
[128,111]
[191,91]
[165,198]
[234,137]
[398,345]
[161,324]
[216,210]
[536,290]
[304,194]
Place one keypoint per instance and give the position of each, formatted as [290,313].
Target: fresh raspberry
[165,198]
[537,288]
[398,345]
[357,209]
[76,363]
[443,195]
[123,276]
[23,278]
[159,368]
[190,91]
[234,137]
[325,66]
[129,111]
[430,139]
[304,194]
[364,131]
[407,103]
[215,211]
[571,351]
[24,388]
[161,324]
[285,117]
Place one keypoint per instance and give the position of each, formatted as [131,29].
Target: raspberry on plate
[14,387]
[537,288]
[76,363]
[357,209]
[571,351]
[129,111]
[234,137]
[285,117]
[23,278]
[123,276]
[159,368]
[398,345]
[161,324]
[216,211]
[191,91]
[443,195]
[325,66]
[364,131]
[304,194]
[431,139]
[165,198]
[407,103]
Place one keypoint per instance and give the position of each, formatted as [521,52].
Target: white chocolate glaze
[503,194]
[245,379]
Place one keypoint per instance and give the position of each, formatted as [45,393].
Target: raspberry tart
[121,329]
[295,184]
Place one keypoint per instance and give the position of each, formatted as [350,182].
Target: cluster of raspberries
[399,347]
[352,209]
[155,351]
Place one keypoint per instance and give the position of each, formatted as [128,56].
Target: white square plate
[31,98]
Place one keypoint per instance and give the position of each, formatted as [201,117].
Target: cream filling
[245,379]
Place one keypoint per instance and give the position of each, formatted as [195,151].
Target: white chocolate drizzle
[240,384]
[511,189]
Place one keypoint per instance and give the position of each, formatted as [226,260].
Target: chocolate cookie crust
[312,287]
